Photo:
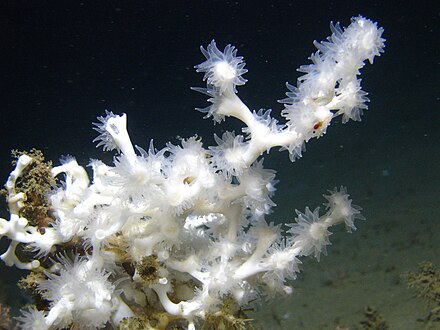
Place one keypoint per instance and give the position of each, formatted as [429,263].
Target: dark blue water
[64,63]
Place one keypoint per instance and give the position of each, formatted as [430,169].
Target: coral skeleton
[178,236]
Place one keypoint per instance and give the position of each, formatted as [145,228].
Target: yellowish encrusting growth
[36,183]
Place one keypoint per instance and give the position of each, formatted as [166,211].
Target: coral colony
[177,237]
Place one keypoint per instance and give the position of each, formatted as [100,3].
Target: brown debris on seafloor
[373,320]
[426,283]
[5,318]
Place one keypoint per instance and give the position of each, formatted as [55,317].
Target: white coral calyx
[223,70]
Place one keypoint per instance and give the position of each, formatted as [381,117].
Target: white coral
[192,217]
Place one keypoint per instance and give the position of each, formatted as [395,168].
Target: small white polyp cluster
[193,217]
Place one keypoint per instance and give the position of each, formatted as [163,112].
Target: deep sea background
[63,63]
